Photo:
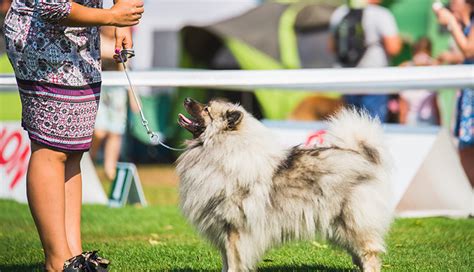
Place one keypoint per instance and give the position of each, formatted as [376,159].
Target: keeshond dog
[246,193]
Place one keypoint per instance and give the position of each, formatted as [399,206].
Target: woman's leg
[73,202]
[97,140]
[112,154]
[45,190]
[467,160]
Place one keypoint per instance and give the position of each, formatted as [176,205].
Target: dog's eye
[206,109]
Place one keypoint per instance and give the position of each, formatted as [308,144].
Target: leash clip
[121,56]
[154,138]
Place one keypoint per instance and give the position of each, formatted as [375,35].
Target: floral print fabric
[465,122]
[42,50]
[58,72]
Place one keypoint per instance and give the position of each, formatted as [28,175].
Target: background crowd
[58,49]
[379,43]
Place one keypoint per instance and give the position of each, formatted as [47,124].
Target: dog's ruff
[246,193]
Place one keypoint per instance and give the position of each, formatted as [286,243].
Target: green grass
[10,106]
[157,238]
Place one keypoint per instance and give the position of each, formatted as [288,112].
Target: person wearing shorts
[54,48]
[112,114]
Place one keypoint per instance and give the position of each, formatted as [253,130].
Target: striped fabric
[57,116]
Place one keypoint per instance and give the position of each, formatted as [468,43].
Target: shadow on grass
[304,268]
[21,267]
[38,267]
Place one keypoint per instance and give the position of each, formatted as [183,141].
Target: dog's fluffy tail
[358,131]
[372,202]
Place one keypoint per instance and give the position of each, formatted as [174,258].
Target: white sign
[14,158]
[126,187]
[428,179]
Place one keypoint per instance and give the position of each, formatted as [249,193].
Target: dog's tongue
[185,119]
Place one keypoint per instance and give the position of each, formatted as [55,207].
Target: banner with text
[14,158]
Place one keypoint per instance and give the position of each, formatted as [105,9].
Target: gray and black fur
[246,193]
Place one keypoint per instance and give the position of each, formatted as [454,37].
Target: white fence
[349,80]
[428,180]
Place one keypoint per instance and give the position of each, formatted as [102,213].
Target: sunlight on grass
[157,238]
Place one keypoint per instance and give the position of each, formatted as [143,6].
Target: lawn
[157,238]
[10,106]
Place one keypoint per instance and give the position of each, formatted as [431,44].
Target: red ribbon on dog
[316,138]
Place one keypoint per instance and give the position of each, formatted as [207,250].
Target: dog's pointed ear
[233,118]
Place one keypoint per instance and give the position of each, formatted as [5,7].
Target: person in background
[459,20]
[112,114]
[381,41]
[419,107]
[54,48]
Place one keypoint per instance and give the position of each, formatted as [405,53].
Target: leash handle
[122,56]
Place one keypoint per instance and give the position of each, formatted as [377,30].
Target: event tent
[270,36]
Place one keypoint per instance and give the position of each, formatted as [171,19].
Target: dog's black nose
[188,100]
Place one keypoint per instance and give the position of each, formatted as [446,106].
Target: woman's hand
[123,38]
[445,17]
[126,12]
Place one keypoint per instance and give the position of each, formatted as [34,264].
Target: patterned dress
[58,72]
[464,128]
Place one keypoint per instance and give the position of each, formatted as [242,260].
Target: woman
[53,46]
[459,21]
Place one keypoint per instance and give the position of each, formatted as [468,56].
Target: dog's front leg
[234,261]
[225,264]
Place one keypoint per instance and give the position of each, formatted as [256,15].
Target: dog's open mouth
[186,122]
[195,123]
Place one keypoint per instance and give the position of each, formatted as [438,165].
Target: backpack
[350,39]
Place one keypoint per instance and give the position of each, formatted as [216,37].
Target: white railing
[352,80]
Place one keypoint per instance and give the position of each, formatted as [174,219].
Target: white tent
[440,186]
[428,179]
[156,39]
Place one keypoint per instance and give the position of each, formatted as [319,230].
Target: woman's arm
[122,13]
[84,16]
[465,44]
[451,57]
[68,13]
